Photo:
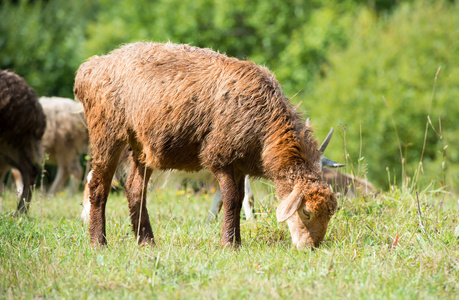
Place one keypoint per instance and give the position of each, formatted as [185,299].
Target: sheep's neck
[291,156]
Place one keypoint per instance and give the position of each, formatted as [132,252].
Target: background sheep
[181,107]
[65,140]
[346,184]
[22,124]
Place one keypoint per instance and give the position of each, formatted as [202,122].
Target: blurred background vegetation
[375,70]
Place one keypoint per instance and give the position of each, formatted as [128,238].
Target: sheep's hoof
[23,209]
[99,246]
[211,218]
[230,245]
[99,242]
[146,241]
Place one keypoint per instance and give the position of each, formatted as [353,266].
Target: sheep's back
[195,105]
[66,134]
[21,116]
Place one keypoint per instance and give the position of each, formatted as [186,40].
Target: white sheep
[65,139]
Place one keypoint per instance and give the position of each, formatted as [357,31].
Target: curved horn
[326,141]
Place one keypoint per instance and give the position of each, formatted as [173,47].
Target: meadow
[399,244]
[383,73]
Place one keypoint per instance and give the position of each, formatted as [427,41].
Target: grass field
[398,245]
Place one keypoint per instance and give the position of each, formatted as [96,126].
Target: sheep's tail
[79,109]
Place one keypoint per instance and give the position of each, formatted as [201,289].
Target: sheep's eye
[306,214]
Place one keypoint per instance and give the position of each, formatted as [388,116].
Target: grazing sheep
[22,124]
[346,184]
[186,108]
[65,140]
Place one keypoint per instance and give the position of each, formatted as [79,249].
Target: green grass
[47,254]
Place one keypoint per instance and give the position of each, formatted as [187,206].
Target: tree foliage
[41,41]
[385,83]
[339,59]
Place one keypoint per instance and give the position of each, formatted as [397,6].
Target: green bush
[340,58]
[258,30]
[41,42]
[396,58]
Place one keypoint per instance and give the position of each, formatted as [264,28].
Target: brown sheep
[22,124]
[65,140]
[186,108]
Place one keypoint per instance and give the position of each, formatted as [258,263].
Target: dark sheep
[22,124]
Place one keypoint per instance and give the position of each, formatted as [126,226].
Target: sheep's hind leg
[232,189]
[76,173]
[136,190]
[104,165]
[216,206]
[61,176]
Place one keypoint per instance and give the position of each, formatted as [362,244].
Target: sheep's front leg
[29,172]
[136,190]
[99,187]
[232,190]
[61,177]
[248,202]
[216,206]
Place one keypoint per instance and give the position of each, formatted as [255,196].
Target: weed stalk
[420,169]
[402,159]
[141,203]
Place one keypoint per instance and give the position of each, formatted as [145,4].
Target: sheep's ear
[289,205]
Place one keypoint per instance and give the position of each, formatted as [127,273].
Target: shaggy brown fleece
[187,108]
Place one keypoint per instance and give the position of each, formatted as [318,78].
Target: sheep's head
[307,211]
